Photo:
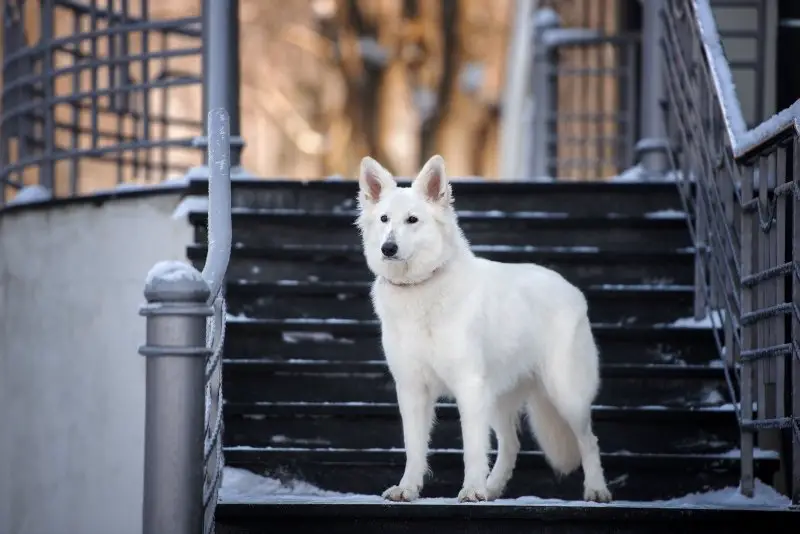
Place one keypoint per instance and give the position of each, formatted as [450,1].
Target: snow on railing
[743,140]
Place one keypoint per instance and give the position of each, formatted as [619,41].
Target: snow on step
[242,486]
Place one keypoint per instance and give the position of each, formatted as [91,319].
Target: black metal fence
[89,95]
[586,86]
[739,187]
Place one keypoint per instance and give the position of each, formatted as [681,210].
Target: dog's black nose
[389,249]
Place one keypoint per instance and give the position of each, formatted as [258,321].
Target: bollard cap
[175,281]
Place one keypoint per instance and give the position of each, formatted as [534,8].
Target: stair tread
[304,286]
[607,370]
[652,220]
[363,507]
[579,251]
[448,409]
[466,185]
[331,455]
[311,324]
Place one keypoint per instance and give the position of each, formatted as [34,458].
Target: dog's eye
[411,219]
[384,218]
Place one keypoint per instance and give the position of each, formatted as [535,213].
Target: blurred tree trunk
[423,77]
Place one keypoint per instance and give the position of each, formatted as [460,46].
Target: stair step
[580,198]
[368,426]
[350,340]
[630,476]
[660,231]
[349,515]
[581,266]
[351,300]
[370,382]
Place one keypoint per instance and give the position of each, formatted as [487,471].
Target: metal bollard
[176,311]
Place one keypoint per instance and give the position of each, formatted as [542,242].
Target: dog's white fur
[500,338]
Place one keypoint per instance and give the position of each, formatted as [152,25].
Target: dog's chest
[420,311]
[426,326]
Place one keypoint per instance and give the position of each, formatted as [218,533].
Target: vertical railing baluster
[763,325]
[778,250]
[747,483]
[731,322]
[221,73]
[652,146]
[795,326]
[543,93]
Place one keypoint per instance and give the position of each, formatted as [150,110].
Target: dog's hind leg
[417,409]
[504,422]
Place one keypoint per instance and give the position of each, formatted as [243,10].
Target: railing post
[176,311]
[544,93]
[651,150]
[221,78]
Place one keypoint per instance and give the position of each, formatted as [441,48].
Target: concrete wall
[71,380]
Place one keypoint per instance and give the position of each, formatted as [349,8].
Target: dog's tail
[552,433]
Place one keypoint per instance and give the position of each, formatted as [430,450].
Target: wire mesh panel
[89,95]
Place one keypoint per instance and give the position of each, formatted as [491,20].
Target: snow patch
[176,182]
[190,204]
[30,194]
[171,271]
[665,214]
[715,319]
[244,487]
[637,173]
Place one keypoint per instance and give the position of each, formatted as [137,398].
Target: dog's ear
[432,182]
[373,181]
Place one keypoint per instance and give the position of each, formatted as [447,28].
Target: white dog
[498,337]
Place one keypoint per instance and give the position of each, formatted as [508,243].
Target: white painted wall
[71,380]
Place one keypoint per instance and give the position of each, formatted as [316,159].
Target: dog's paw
[597,494]
[401,494]
[494,491]
[472,494]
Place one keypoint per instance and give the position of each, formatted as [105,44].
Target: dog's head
[407,232]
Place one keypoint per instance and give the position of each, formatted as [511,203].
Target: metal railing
[585,85]
[97,93]
[185,334]
[739,187]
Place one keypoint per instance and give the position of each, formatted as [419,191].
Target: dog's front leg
[474,412]
[417,405]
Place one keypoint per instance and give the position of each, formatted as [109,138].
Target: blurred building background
[323,83]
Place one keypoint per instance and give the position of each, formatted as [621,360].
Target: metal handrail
[738,186]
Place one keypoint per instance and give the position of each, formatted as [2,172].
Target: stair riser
[248,384]
[364,346]
[657,482]
[584,271]
[235,522]
[385,432]
[664,235]
[612,309]
[578,199]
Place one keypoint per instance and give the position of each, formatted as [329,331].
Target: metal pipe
[176,311]
[219,201]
